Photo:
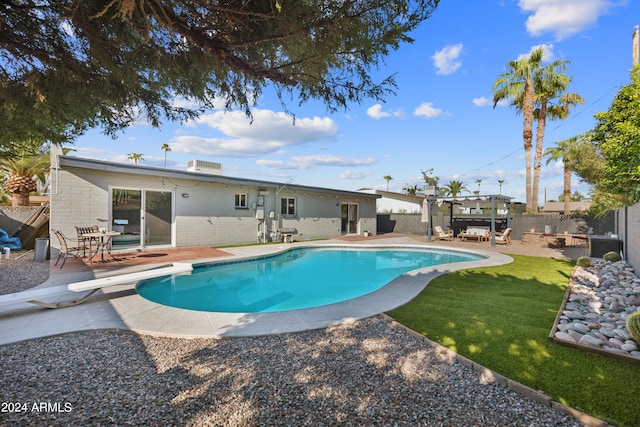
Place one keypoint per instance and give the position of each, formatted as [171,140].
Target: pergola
[428,202]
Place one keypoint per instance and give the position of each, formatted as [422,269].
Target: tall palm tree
[387,178]
[478,181]
[517,85]
[550,85]
[23,172]
[135,157]
[500,182]
[567,150]
[453,188]
[166,149]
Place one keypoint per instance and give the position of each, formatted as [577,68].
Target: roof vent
[201,166]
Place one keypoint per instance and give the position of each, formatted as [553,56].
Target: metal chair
[84,241]
[65,249]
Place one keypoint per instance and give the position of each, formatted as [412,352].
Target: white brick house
[157,207]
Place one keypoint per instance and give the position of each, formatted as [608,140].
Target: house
[390,202]
[558,207]
[158,207]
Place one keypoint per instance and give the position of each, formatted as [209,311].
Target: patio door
[349,218]
[144,217]
[156,217]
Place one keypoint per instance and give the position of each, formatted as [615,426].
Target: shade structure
[492,198]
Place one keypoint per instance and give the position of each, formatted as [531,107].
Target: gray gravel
[358,374]
[22,272]
[363,373]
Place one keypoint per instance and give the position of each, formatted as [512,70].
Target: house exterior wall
[204,212]
[388,205]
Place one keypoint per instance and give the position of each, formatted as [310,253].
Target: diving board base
[34,296]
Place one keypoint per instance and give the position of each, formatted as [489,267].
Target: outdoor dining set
[87,238]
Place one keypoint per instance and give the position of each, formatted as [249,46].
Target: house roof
[581,206]
[104,166]
[396,196]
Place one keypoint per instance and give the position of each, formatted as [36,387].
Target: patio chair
[85,243]
[65,249]
[504,237]
[441,234]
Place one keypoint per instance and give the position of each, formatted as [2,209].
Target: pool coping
[121,307]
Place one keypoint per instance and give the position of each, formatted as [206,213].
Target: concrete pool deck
[121,307]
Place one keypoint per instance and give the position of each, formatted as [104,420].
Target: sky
[441,116]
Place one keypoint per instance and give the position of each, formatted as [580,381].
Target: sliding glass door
[349,214]
[157,217]
[143,217]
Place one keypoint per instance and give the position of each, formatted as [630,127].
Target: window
[241,201]
[288,206]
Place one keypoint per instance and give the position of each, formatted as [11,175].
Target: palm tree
[567,150]
[500,182]
[166,149]
[387,178]
[453,188]
[412,190]
[478,181]
[517,85]
[23,172]
[135,157]
[550,84]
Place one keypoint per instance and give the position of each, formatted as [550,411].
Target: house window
[288,206]
[241,201]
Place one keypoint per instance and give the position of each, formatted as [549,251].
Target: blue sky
[441,117]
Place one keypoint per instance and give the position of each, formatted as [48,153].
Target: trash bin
[42,245]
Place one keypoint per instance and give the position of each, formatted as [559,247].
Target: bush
[583,261]
[633,325]
[612,256]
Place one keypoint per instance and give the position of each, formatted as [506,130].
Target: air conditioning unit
[202,166]
[431,191]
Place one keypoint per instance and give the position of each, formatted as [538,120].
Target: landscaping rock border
[595,308]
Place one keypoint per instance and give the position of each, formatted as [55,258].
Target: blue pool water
[299,278]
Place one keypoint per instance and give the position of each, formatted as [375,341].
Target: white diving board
[33,296]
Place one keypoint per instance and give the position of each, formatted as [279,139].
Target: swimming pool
[295,279]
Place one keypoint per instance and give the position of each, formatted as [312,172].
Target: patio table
[102,242]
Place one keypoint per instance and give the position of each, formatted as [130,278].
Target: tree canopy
[68,65]
[617,138]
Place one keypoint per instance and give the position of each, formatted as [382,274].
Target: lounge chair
[441,234]
[65,249]
[504,237]
[479,234]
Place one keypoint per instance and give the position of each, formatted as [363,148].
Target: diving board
[34,296]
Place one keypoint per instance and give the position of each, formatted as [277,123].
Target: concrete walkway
[120,306]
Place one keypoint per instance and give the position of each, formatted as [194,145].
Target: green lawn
[501,317]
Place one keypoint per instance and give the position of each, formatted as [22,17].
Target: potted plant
[366,233]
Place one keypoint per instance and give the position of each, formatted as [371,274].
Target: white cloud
[481,102]
[269,133]
[354,174]
[563,18]
[427,109]
[547,55]
[306,162]
[375,112]
[446,59]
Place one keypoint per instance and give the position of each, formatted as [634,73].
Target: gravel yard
[362,373]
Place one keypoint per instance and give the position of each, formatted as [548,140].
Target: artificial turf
[500,317]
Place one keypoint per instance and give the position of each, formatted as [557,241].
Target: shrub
[583,261]
[612,256]
[633,325]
